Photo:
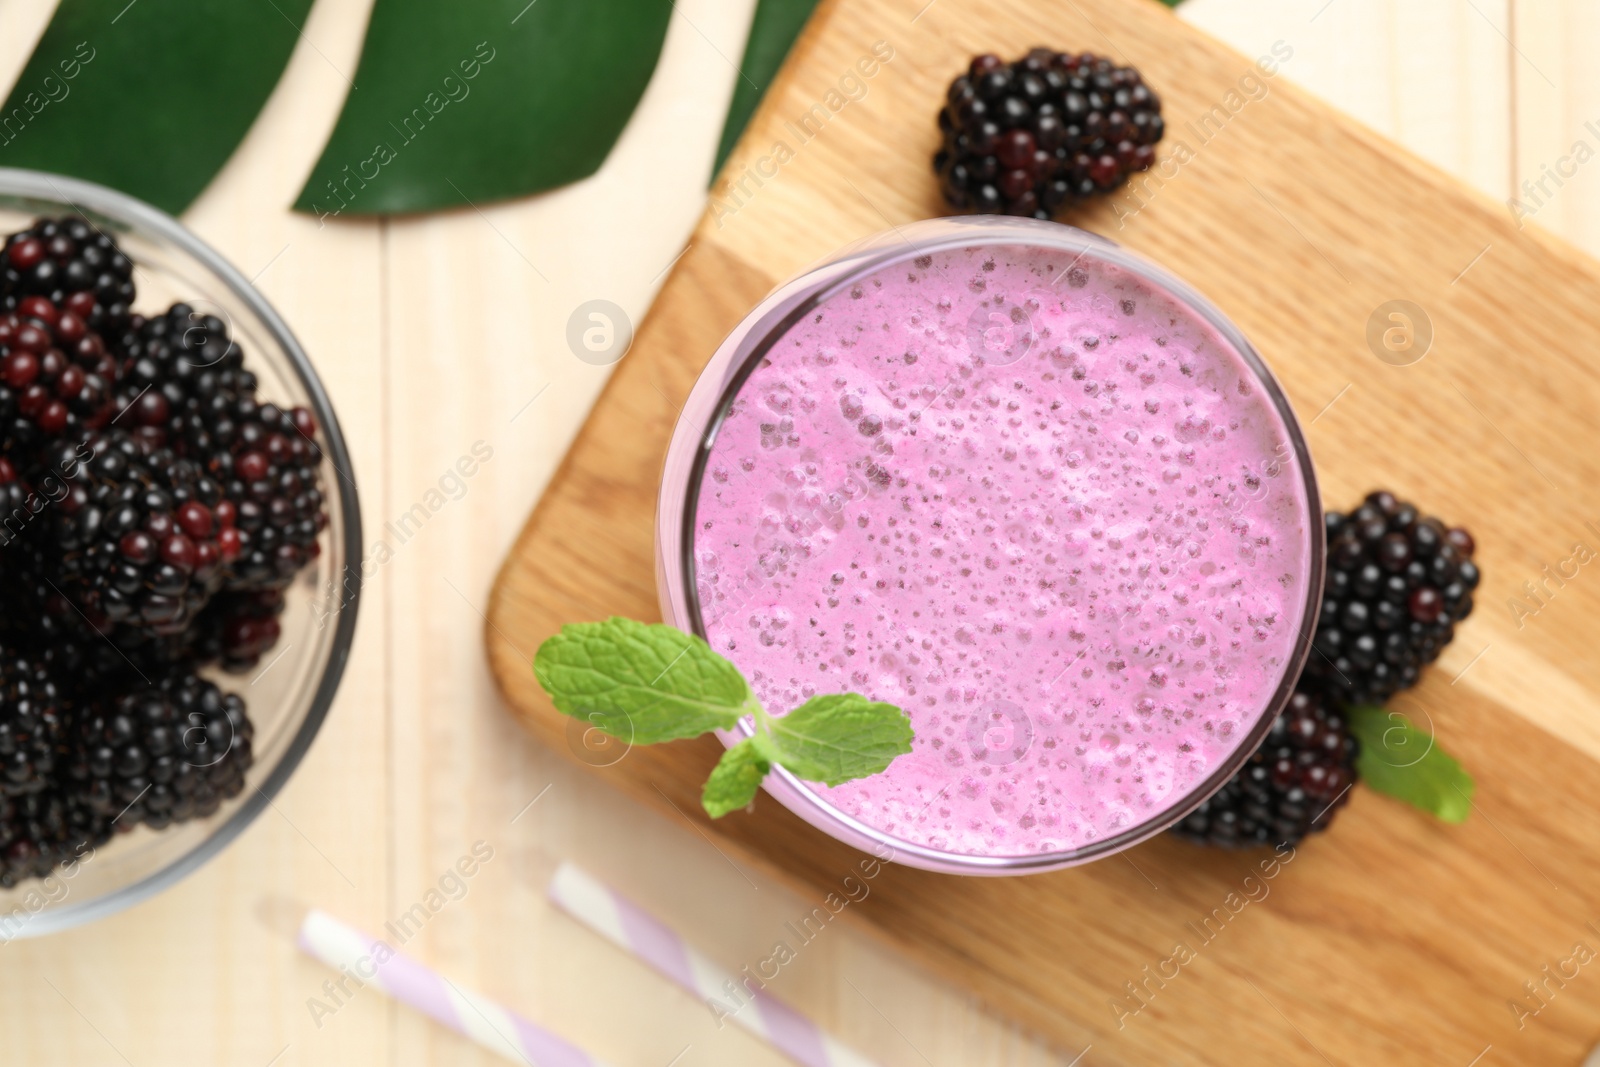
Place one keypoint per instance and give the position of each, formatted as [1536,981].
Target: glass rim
[741,353]
[93,200]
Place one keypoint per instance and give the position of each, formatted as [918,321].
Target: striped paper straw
[488,1024]
[613,916]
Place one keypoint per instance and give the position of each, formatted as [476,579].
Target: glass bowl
[288,694]
[748,346]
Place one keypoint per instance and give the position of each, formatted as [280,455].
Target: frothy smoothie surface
[1039,504]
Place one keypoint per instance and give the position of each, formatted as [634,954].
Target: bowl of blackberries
[179,547]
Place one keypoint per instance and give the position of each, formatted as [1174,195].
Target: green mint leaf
[735,779]
[836,737]
[644,683]
[1404,762]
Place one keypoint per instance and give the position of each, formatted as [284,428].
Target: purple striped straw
[371,961]
[746,1002]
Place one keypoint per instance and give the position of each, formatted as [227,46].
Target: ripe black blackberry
[180,374]
[1035,135]
[164,754]
[39,831]
[31,711]
[37,614]
[139,538]
[195,395]
[56,376]
[218,746]
[1292,786]
[75,265]
[269,464]
[1397,584]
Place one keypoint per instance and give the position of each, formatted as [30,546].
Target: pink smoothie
[1040,505]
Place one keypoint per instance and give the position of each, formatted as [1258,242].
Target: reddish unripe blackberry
[115,546]
[75,265]
[234,631]
[1292,786]
[56,376]
[1043,132]
[31,710]
[162,754]
[239,627]
[14,511]
[1397,584]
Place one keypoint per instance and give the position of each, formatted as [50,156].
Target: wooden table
[419,759]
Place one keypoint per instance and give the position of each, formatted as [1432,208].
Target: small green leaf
[149,97]
[735,780]
[1401,761]
[836,737]
[645,683]
[772,33]
[472,101]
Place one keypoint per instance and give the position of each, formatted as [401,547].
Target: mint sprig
[647,683]
[1406,763]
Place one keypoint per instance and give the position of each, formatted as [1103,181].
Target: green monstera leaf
[772,33]
[149,97]
[474,101]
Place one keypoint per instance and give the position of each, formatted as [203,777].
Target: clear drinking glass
[286,703]
[743,350]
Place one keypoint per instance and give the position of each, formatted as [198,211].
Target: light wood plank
[1432,74]
[1558,119]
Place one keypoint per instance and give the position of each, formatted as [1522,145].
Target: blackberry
[195,395]
[140,538]
[234,631]
[56,375]
[1292,786]
[180,375]
[1043,132]
[239,627]
[162,755]
[269,463]
[14,512]
[73,264]
[38,614]
[1397,584]
[31,708]
[39,831]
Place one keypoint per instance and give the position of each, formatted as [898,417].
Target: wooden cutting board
[1391,939]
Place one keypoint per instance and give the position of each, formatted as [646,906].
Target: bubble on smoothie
[1106,534]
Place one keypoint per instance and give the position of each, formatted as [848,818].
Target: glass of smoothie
[1030,488]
